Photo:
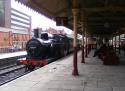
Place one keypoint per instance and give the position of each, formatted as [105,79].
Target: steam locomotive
[48,46]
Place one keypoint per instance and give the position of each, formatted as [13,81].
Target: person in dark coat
[100,50]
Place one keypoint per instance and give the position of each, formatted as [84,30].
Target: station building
[15,27]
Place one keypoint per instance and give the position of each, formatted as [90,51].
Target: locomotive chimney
[36,33]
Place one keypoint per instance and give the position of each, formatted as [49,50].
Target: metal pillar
[75,68]
[86,46]
[10,38]
[112,41]
[119,45]
[115,43]
[83,59]
[88,50]
[124,49]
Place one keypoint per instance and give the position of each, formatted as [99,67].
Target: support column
[10,38]
[119,45]
[86,45]
[115,43]
[83,59]
[124,49]
[75,68]
[112,41]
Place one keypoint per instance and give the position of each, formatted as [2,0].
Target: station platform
[12,54]
[10,59]
[57,76]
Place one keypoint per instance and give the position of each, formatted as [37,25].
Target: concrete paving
[57,76]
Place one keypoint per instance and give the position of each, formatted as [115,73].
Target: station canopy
[100,17]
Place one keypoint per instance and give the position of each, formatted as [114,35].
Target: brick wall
[9,40]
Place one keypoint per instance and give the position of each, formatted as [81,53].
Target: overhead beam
[37,7]
[99,17]
[60,11]
[98,9]
[102,23]
[121,19]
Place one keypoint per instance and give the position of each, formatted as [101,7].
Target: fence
[9,50]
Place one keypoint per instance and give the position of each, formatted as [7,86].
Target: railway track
[15,71]
[12,73]
[4,62]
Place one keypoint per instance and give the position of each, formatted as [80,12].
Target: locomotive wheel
[65,52]
[30,67]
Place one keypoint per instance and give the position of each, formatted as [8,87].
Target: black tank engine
[41,48]
[45,47]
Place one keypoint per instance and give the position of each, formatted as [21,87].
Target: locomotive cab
[44,36]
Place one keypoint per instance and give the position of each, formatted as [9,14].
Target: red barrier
[110,59]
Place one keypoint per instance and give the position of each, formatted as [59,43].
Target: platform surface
[57,76]
[13,54]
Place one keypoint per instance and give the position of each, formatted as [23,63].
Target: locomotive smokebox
[37,32]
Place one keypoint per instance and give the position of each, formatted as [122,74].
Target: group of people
[107,54]
[102,48]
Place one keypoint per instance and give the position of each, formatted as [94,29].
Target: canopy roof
[101,17]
